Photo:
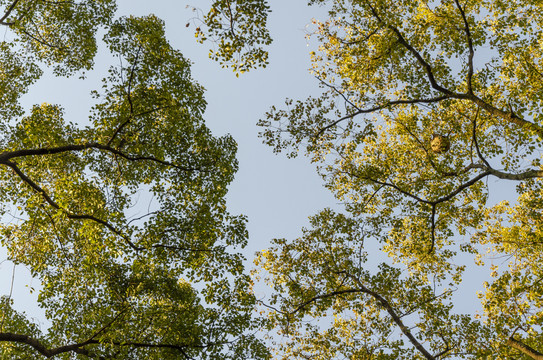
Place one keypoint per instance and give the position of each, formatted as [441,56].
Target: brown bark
[525,349]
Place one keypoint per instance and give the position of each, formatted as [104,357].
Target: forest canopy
[165,282]
[423,106]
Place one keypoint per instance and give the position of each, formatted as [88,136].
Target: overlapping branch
[487,171]
[507,115]
[7,158]
[69,214]
[384,303]
[384,106]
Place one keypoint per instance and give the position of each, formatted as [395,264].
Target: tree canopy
[164,281]
[423,105]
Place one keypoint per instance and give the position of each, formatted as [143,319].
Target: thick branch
[8,155]
[78,347]
[5,158]
[506,115]
[70,215]
[528,174]
[39,347]
[525,349]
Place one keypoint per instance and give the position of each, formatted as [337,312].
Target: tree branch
[506,115]
[433,228]
[129,96]
[381,300]
[470,47]
[528,174]
[39,347]
[474,139]
[8,155]
[70,215]
[324,296]
[525,349]
[377,108]
[78,347]
[427,67]
[395,317]
[339,93]
[7,13]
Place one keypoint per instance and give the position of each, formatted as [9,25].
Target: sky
[275,193]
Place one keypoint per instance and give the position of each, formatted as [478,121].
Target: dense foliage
[423,105]
[122,221]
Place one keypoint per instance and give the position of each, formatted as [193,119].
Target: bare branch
[377,108]
[338,92]
[7,13]
[129,96]
[470,47]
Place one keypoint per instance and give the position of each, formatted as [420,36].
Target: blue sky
[277,194]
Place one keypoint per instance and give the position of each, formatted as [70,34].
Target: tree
[423,105]
[238,30]
[163,281]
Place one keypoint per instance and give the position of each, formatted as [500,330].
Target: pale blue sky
[277,194]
